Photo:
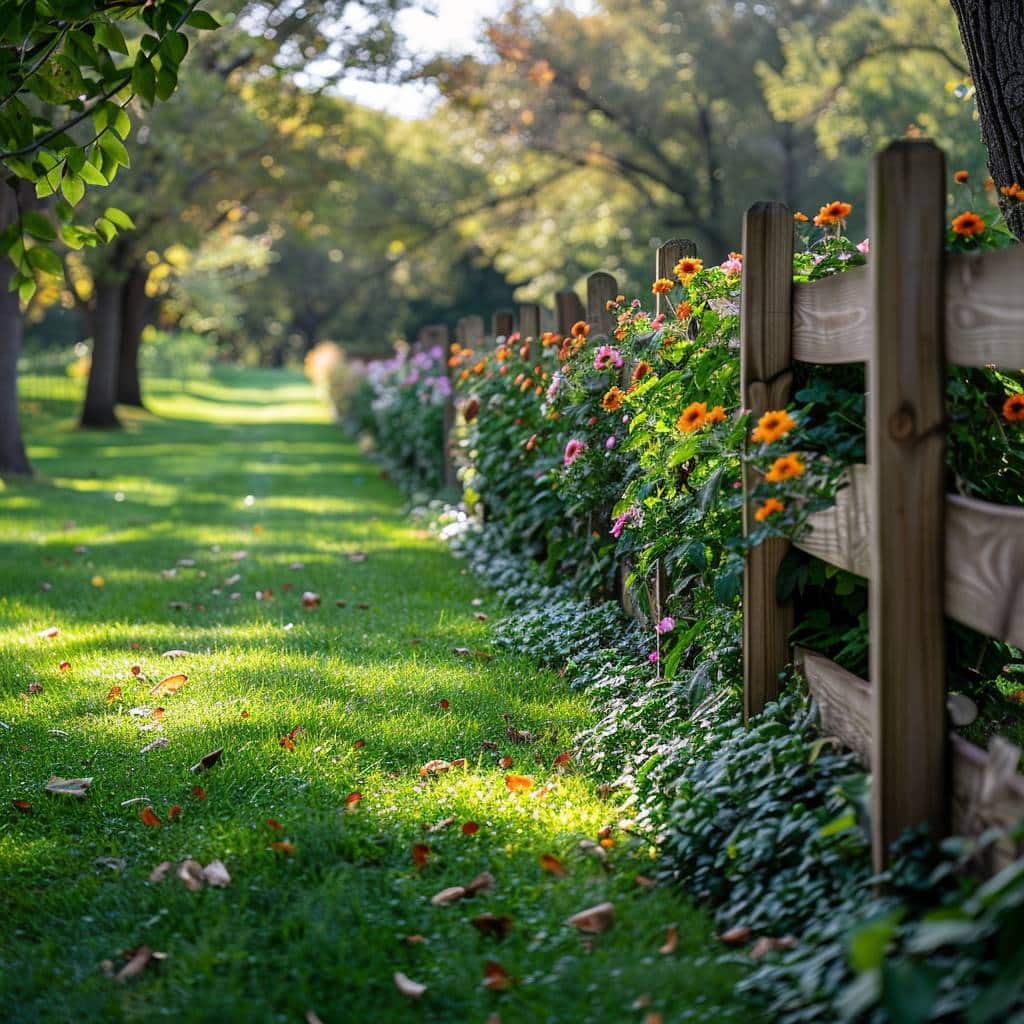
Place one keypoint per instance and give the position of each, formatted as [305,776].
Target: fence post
[668,255]
[469,331]
[502,324]
[601,289]
[766,357]
[529,326]
[568,310]
[906,447]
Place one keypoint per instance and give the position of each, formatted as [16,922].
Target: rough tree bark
[101,391]
[13,460]
[133,319]
[993,36]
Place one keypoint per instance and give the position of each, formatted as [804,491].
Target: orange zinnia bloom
[580,329]
[640,371]
[961,177]
[769,508]
[785,468]
[693,417]
[684,310]
[968,224]
[773,425]
[687,268]
[612,399]
[1013,409]
[716,415]
[662,286]
[833,213]
[799,217]
[1013,191]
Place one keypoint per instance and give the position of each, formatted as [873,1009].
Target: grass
[324,928]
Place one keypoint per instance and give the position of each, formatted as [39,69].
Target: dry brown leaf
[409,988]
[446,897]
[68,787]
[352,800]
[159,873]
[191,873]
[162,741]
[519,783]
[22,805]
[207,761]
[140,959]
[310,599]
[483,881]
[735,935]
[312,1018]
[171,684]
[470,828]
[550,863]
[594,920]
[440,826]
[497,927]
[358,556]
[671,940]
[435,767]
[496,978]
[767,944]
[420,854]
[216,874]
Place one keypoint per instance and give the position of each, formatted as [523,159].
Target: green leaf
[105,229]
[144,79]
[174,47]
[869,942]
[109,35]
[26,288]
[41,258]
[200,19]
[166,83]
[73,188]
[114,148]
[91,174]
[122,123]
[119,217]
[38,226]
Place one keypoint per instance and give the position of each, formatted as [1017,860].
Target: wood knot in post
[903,423]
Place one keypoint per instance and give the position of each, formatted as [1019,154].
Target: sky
[454,29]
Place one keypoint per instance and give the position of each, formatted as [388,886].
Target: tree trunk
[993,36]
[101,392]
[13,460]
[133,320]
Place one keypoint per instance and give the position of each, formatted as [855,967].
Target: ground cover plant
[335,655]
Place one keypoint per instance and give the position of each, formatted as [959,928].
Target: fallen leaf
[767,944]
[288,848]
[448,896]
[470,828]
[734,936]
[550,863]
[439,826]
[113,693]
[48,633]
[198,792]
[363,605]
[312,1018]
[149,818]
[297,566]
[177,652]
[505,762]
[645,882]
[64,666]
[481,617]
[519,783]
[420,854]
[22,805]
[496,978]
[310,599]
[178,606]
[483,881]
[140,959]
[594,920]
[409,988]
[68,787]
[114,863]
[233,579]
[217,875]
[287,742]
[340,604]
[207,761]
[592,849]
[671,940]
[35,687]
[358,556]
[352,799]
[169,685]
[564,758]
[444,704]
[415,940]
[435,767]
[492,925]
[163,741]
[358,744]
[275,824]
[191,874]
[605,831]
[459,762]
[159,873]
[173,812]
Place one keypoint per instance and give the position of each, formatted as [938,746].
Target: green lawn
[92,548]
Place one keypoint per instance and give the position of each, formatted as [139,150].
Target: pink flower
[607,357]
[653,657]
[733,265]
[657,321]
[666,625]
[610,443]
[865,246]
[620,523]
[573,450]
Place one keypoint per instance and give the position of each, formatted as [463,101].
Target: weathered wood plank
[766,360]
[985,308]
[841,535]
[568,310]
[844,702]
[601,289]
[502,324]
[906,443]
[668,255]
[832,319]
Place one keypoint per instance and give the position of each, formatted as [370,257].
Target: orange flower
[620,334]
[464,376]
[1013,409]
[785,468]
[799,217]
[773,425]
[960,177]
[580,329]
[693,417]
[527,384]
[769,508]
[611,304]
[684,311]
[687,268]
[640,371]
[716,415]
[454,347]
[479,368]
[662,286]
[454,361]
[1013,191]
[968,224]
[833,213]
[502,353]
[612,399]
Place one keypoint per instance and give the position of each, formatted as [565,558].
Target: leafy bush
[178,355]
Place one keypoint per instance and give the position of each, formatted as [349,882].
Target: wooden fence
[927,554]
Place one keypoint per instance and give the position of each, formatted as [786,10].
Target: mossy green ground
[325,928]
